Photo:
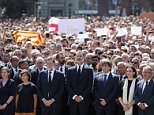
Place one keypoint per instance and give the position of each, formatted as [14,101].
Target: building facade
[68,8]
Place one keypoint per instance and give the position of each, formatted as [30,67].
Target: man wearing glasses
[144,95]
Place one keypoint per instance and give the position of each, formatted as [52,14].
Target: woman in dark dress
[26,99]
[7,93]
[127,89]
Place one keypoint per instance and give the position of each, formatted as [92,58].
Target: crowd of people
[104,75]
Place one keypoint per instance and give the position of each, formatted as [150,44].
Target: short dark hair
[24,71]
[105,61]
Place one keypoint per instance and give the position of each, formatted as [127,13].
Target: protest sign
[81,37]
[71,26]
[121,32]
[136,30]
[151,38]
[101,31]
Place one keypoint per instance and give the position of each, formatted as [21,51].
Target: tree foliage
[152,4]
[14,8]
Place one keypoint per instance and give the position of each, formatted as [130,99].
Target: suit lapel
[75,71]
[108,80]
[83,72]
[149,87]
[140,87]
[54,76]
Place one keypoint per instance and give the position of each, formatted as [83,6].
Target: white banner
[101,31]
[121,32]
[81,37]
[71,26]
[136,30]
[151,38]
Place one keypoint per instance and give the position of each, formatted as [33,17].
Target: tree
[103,7]
[14,8]
[152,4]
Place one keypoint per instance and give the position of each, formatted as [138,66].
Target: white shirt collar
[51,74]
[147,81]
[81,67]
[63,68]
[106,74]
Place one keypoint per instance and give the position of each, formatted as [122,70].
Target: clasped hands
[126,107]
[103,102]
[78,99]
[2,107]
[142,106]
[48,103]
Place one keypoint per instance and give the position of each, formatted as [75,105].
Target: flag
[22,36]
[53,24]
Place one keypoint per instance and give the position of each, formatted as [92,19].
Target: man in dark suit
[144,94]
[37,70]
[14,66]
[50,89]
[22,64]
[121,75]
[79,81]
[105,88]
[60,57]
[121,71]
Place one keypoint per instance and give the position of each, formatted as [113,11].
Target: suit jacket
[65,69]
[107,92]
[16,78]
[83,87]
[51,90]
[146,97]
[34,75]
[12,73]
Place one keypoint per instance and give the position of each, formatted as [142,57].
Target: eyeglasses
[15,60]
[39,62]
[129,71]
[147,72]
[135,62]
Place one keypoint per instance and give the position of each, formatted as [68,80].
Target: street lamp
[69,10]
[38,10]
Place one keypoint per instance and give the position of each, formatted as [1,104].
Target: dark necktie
[61,69]
[50,77]
[105,80]
[145,86]
[5,64]
[16,70]
[79,71]
[78,74]
[120,78]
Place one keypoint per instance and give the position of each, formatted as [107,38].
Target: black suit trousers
[54,109]
[81,108]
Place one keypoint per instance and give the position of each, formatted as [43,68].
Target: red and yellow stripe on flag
[22,36]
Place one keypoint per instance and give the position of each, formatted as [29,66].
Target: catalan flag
[22,36]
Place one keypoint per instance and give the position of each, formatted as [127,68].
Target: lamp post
[38,11]
[69,10]
[38,8]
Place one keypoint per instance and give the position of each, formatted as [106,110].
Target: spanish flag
[22,36]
